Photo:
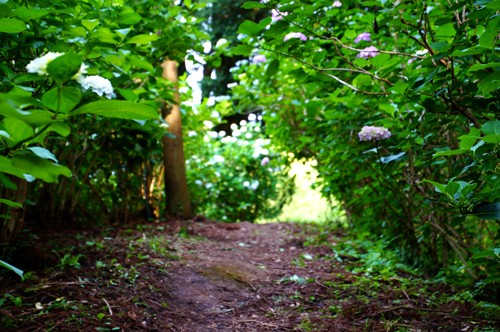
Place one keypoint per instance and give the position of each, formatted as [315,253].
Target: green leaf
[467,142]
[471,51]
[118,109]
[440,188]
[480,66]
[494,139]
[142,39]
[487,210]
[491,128]
[29,78]
[249,28]
[19,129]
[273,68]
[485,253]
[399,88]
[490,83]
[243,50]
[380,60]
[445,31]
[452,188]
[43,153]
[449,153]
[438,45]
[12,25]
[12,268]
[251,5]
[495,5]
[64,67]
[371,3]
[104,35]
[90,24]
[277,28]
[39,167]
[20,100]
[60,128]
[6,167]
[62,99]
[10,203]
[488,37]
[128,95]
[30,14]
[7,182]
[129,17]
[140,63]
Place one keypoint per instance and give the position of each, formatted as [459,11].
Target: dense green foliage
[429,76]
[75,74]
[239,177]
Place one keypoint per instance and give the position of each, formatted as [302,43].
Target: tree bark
[176,191]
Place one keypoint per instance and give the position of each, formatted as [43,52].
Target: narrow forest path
[209,276]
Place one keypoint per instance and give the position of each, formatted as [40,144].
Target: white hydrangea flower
[79,76]
[39,65]
[164,126]
[99,85]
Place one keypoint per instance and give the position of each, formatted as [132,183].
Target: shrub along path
[209,276]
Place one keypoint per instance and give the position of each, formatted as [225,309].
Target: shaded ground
[209,276]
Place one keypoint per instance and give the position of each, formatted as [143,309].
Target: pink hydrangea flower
[259,58]
[337,4]
[369,133]
[264,161]
[368,52]
[295,35]
[363,36]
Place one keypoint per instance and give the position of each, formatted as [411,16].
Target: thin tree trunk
[176,191]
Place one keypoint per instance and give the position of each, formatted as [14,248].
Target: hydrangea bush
[426,72]
[78,78]
[236,177]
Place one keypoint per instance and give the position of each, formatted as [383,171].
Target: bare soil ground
[210,276]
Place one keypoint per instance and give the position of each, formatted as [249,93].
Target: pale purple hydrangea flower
[363,36]
[337,4]
[264,161]
[276,15]
[259,58]
[368,52]
[410,61]
[296,35]
[369,133]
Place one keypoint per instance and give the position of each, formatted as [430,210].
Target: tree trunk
[176,192]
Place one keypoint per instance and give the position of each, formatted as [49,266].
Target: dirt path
[228,283]
[209,276]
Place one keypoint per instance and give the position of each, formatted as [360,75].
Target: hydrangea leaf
[64,67]
[12,25]
[118,109]
[62,99]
